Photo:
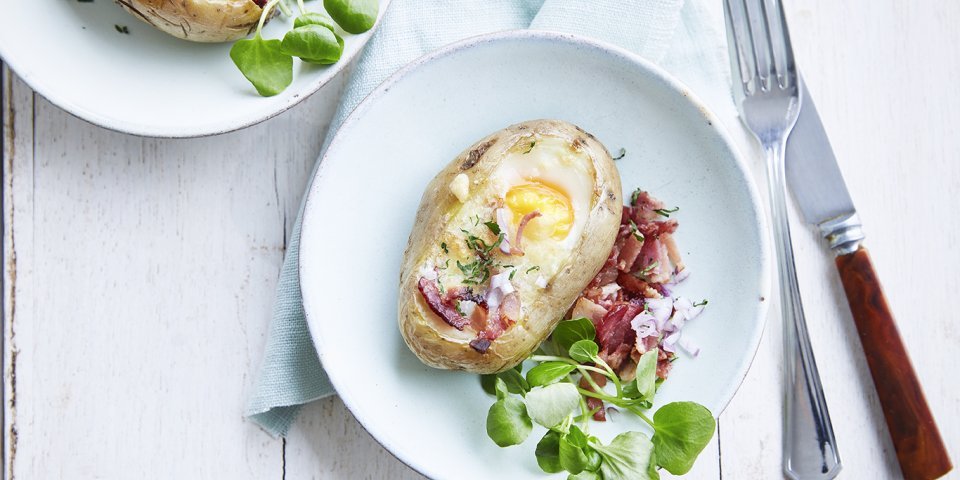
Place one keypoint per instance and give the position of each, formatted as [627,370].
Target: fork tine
[779,40]
[760,41]
[742,45]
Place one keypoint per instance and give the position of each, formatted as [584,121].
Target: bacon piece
[585,308]
[601,414]
[523,223]
[632,284]
[443,309]
[495,321]
[629,253]
[615,331]
[644,209]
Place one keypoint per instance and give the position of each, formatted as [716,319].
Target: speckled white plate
[363,199]
[145,82]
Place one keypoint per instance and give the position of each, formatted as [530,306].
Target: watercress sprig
[549,395]
[268,63]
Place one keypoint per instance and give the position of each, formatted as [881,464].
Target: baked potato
[506,237]
[199,20]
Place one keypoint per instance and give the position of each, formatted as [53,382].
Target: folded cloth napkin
[686,40]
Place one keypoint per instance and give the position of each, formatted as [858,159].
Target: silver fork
[768,97]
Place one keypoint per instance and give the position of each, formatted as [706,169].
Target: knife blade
[817,184]
[812,171]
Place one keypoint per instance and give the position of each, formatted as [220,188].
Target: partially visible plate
[145,82]
[362,203]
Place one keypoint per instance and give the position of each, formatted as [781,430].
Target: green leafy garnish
[493,227]
[627,457]
[549,405]
[548,452]
[636,232]
[663,212]
[268,64]
[646,380]
[313,44]
[443,246]
[514,382]
[569,332]
[548,372]
[508,423]
[533,269]
[530,148]
[584,351]
[264,64]
[682,431]
[700,303]
[354,16]
[634,196]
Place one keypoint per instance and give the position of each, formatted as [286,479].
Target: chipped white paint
[138,274]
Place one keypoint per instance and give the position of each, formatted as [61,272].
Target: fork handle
[809,446]
[920,449]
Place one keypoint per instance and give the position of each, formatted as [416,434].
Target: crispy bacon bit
[443,309]
[260,3]
[523,223]
[480,344]
[585,308]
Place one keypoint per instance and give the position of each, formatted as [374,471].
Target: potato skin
[206,21]
[441,346]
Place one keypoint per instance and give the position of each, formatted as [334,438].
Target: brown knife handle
[920,449]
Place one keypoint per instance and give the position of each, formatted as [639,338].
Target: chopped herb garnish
[530,148]
[649,268]
[476,220]
[634,196]
[700,303]
[533,269]
[663,212]
[459,310]
[636,232]
[122,29]
[493,227]
[512,273]
[440,284]
[445,266]
[443,246]
[622,153]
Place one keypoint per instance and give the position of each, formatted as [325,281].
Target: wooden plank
[137,306]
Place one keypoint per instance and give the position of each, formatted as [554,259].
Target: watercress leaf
[584,351]
[576,437]
[630,390]
[489,384]
[551,404]
[548,452]
[263,64]
[314,18]
[569,332]
[593,459]
[313,43]
[548,372]
[646,381]
[585,475]
[514,381]
[508,423]
[354,16]
[627,457]
[572,457]
[500,388]
[681,431]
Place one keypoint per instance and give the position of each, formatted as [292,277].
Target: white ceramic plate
[145,82]
[362,203]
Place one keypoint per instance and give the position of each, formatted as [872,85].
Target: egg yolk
[556,213]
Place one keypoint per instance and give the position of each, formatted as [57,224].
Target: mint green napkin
[686,39]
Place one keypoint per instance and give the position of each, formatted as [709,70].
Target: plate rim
[152,131]
[658,73]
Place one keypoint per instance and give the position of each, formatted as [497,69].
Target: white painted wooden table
[139,274]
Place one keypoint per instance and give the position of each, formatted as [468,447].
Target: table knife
[817,185]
